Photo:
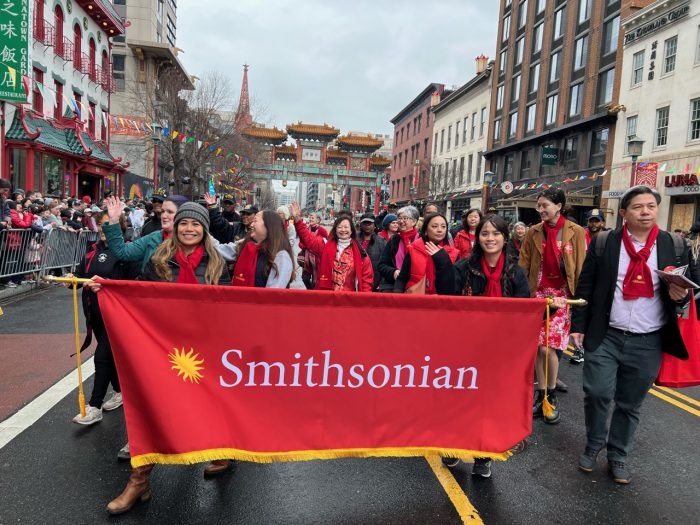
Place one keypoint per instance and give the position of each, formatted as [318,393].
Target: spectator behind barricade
[137,216]
[396,248]
[372,243]
[428,260]
[153,222]
[18,195]
[55,215]
[5,218]
[19,217]
[343,264]
[88,220]
[516,239]
[390,226]
[100,261]
[143,248]
[466,237]
[228,209]
[552,256]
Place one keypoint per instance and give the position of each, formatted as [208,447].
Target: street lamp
[157,129]
[488,179]
[634,149]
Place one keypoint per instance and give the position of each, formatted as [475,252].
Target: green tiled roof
[107,6]
[64,140]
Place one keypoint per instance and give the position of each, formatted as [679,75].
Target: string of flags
[544,185]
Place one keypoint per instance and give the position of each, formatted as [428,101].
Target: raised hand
[210,199]
[114,209]
[295,210]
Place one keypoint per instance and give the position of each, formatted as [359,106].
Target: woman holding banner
[187,257]
[343,264]
[396,248]
[552,256]
[428,260]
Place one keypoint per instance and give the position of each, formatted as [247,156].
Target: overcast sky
[353,64]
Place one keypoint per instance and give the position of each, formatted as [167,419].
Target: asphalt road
[57,472]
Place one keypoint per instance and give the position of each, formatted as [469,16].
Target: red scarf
[464,242]
[551,271]
[493,277]
[422,265]
[188,264]
[244,271]
[408,237]
[384,235]
[365,243]
[328,259]
[638,281]
[166,235]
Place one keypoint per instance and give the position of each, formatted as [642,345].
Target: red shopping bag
[674,372]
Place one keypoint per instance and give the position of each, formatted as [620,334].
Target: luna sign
[657,23]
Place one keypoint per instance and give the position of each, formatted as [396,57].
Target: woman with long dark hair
[343,264]
[429,259]
[466,238]
[552,256]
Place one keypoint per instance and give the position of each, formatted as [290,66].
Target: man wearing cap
[372,243]
[228,209]
[628,322]
[596,224]
[152,224]
[224,232]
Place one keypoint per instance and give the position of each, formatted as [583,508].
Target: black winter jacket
[375,248]
[469,279]
[387,263]
[222,230]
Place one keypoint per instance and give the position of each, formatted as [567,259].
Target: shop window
[18,168]
[53,175]
[571,152]
[526,163]
[599,147]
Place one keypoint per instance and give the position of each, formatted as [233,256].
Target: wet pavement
[57,472]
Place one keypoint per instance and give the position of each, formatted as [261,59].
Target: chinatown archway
[348,163]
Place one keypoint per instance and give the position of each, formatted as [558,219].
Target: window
[58,107]
[497,130]
[58,30]
[554,67]
[661,135]
[697,48]
[420,121]
[522,14]
[531,112]
[611,31]
[515,91]
[442,139]
[525,163]
[449,136]
[171,31]
[470,161]
[37,99]
[159,10]
[581,53]
[508,167]
[482,126]
[461,170]
[694,119]
[599,147]
[506,27]
[479,156]
[559,24]
[79,103]
[118,68]
[605,87]
[670,48]
[552,103]
[575,99]
[473,126]
[631,130]
[453,181]
[534,80]
[435,144]
[456,133]
[464,131]
[91,118]
[519,49]
[502,61]
[537,41]
[77,51]
[637,67]
[425,148]
[541,4]
[584,10]
[93,59]
[408,130]
[571,152]
[499,97]
[513,126]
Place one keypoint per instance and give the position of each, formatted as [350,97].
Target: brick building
[413,127]
[554,100]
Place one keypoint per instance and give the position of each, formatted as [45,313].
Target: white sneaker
[124,452]
[92,415]
[114,402]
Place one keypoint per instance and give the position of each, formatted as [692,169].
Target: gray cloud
[352,64]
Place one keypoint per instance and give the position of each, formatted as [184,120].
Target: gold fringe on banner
[203,456]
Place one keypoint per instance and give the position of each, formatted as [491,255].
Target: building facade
[145,61]
[459,142]
[412,153]
[660,92]
[58,143]
[554,101]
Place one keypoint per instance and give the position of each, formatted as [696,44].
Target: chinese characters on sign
[14,49]
[652,58]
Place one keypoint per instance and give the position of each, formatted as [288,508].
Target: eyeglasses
[401,219]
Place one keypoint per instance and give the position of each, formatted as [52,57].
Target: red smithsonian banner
[211,372]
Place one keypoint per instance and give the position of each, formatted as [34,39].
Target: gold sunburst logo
[187,365]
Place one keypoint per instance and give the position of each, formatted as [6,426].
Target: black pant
[105,369]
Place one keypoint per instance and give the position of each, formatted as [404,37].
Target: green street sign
[550,156]
[14,48]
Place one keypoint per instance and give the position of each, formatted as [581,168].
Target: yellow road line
[668,399]
[457,496]
[685,398]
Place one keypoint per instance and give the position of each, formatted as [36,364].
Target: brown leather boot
[217,467]
[138,488]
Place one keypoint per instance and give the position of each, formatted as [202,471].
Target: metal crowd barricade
[59,250]
[21,252]
[85,238]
